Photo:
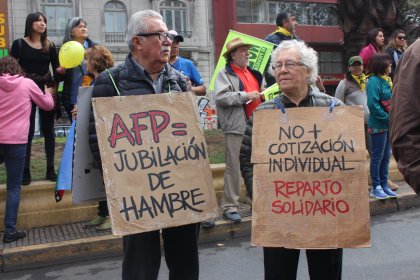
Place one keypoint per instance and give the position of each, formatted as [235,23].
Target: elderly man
[146,71]
[185,66]
[236,86]
[286,28]
[296,70]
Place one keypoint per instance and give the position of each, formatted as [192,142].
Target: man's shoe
[97,221]
[378,193]
[26,178]
[208,224]
[393,186]
[50,174]
[389,192]
[11,237]
[105,226]
[232,217]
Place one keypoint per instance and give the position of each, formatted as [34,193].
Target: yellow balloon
[71,54]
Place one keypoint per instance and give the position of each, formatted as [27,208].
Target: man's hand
[253,96]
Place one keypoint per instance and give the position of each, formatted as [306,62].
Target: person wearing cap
[285,30]
[235,86]
[352,90]
[185,66]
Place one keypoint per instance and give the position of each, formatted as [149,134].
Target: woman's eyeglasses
[401,37]
[290,64]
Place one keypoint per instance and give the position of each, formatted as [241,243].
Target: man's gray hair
[308,56]
[137,24]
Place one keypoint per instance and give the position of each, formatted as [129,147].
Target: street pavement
[394,254]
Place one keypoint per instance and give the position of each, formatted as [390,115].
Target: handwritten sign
[259,54]
[87,178]
[310,180]
[155,162]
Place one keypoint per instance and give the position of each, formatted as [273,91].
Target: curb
[88,248]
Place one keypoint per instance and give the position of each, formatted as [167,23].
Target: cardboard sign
[310,180]
[154,161]
[87,178]
[259,54]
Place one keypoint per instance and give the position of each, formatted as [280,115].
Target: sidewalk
[65,243]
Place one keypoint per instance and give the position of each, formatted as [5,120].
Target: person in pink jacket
[16,96]
[375,42]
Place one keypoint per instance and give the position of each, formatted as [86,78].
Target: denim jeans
[379,159]
[14,156]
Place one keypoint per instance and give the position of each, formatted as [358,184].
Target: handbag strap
[113,82]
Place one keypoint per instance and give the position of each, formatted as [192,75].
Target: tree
[357,17]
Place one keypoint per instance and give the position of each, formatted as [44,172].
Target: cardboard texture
[87,178]
[309,179]
[155,162]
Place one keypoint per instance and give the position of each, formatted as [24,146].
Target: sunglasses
[401,37]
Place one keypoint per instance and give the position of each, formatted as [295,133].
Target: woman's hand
[74,112]
[61,70]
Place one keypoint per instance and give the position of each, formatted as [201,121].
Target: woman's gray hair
[308,56]
[138,24]
[72,23]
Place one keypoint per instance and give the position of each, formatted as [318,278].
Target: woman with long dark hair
[76,30]
[35,54]
[17,94]
[375,42]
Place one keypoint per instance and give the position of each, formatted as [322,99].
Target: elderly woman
[296,70]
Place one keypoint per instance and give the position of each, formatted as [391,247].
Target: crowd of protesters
[153,58]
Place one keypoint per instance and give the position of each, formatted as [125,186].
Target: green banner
[271,92]
[259,54]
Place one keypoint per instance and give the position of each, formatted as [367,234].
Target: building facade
[317,26]
[107,21]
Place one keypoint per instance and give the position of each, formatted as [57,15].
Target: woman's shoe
[97,221]
[105,226]
[50,174]
[393,186]
[10,237]
[26,178]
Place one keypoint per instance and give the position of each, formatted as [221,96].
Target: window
[115,22]
[307,13]
[57,13]
[174,13]
[331,63]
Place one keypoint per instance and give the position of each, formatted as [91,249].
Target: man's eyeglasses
[162,35]
[401,37]
[290,64]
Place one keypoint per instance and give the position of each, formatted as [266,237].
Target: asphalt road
[395,254]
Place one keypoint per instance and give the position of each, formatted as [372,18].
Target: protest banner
[154,161]
[271,92]
[310,185]
[87,178]
[259,54]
